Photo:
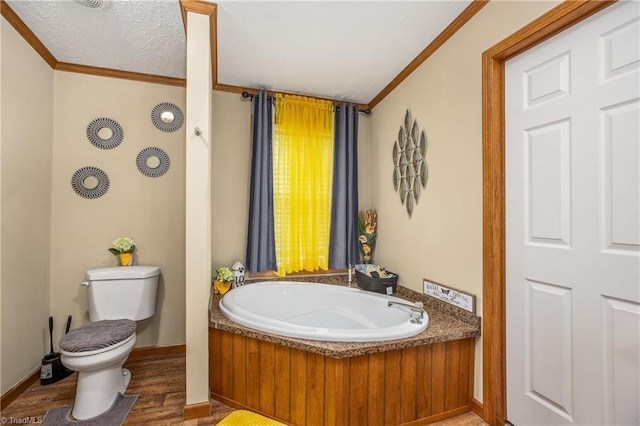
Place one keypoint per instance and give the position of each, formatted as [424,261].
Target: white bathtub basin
[320,312]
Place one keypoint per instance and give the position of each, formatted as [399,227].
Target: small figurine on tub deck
[238,274]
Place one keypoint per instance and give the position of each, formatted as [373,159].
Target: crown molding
[126,75]
[464,17]
[210,9]
[22,29]
[28,35]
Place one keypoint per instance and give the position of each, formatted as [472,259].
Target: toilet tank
[122,292]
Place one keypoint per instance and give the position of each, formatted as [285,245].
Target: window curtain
[344,249]
[302,157]
[261,252]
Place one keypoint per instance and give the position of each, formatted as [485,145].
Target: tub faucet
[417,311]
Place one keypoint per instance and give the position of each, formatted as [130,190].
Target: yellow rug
[248,418]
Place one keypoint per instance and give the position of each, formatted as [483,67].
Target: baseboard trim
[196,411]
[154,351]
[438,417]
[478,408]
[10,395]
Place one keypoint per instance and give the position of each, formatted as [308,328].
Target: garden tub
[322,312]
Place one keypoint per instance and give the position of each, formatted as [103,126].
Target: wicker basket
[379,285]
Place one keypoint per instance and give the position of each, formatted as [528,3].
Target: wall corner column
[199,20]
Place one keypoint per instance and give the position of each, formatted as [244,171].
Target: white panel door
[573,225]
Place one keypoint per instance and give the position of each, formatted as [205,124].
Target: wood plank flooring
[159,383]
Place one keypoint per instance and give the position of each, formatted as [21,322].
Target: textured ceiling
[337,49]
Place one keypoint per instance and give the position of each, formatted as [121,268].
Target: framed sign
[450,295]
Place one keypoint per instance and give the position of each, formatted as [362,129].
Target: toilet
[118,297]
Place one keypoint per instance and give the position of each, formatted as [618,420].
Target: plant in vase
[368,223]
[223,280]
[123,248]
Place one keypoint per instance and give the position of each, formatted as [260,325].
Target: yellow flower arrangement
[123,247]
[368,222]
[223,280]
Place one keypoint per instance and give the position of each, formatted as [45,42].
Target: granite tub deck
[446,323]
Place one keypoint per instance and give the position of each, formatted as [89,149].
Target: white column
[198,206]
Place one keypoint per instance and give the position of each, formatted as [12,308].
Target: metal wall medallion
[153,162]
[90,182]
[105,133]
[409,163]
[167,117]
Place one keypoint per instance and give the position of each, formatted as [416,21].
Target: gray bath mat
[115,416]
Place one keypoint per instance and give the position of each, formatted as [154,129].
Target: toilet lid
[97,335]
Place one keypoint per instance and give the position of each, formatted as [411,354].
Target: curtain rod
[247,95]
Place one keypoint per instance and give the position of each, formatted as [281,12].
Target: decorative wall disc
[167,117]
[409,160]
[153,162]
[105,133]
[90,182]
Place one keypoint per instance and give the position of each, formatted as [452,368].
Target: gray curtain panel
[261,248]
[343,243]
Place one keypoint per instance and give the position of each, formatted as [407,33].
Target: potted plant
[223,280]
[123,248]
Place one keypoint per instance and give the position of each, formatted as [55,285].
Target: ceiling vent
[94,4]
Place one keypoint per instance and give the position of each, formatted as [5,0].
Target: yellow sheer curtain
[302,169]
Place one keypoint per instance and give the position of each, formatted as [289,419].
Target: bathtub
[320,312]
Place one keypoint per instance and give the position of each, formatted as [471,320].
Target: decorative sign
[454,297]
[238,274]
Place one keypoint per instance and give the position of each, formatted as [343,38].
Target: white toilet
[118,296]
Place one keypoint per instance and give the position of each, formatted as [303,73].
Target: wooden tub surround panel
[408,386]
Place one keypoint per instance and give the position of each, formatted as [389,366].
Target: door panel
[548,184]
[548,342]
[573,225]
[621,328]
[621,189]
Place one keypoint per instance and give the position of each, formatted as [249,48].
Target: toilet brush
[66,371]
[52,369]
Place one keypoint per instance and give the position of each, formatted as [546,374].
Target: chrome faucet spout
[417,311]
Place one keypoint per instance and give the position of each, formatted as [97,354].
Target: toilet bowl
[97,351]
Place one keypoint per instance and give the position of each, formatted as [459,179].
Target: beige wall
[27,125]
[150,210]
[442,241]
[230,175]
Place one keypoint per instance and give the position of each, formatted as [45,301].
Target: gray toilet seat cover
[97,335]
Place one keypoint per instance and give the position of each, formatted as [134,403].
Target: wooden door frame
[556,20]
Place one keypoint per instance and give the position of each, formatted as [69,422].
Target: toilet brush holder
[52,369]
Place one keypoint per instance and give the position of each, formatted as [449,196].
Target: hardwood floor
[159,383]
